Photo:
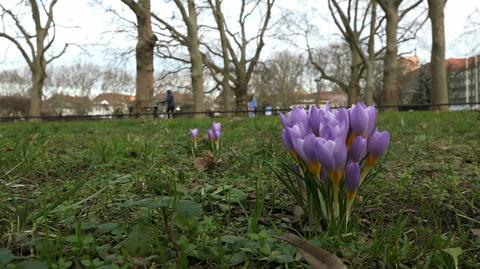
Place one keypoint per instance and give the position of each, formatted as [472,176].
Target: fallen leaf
[205,162]
[476,232]
[7,149]
[317,257]
[298,212]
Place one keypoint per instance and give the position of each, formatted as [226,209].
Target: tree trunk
[439,92]
[390,61]
[196,62]
[370,66]
[36,94]
[144,57]
[227,92]
[38,68]
[354,89]
[241,97]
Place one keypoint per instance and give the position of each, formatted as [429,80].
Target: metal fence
[222,113]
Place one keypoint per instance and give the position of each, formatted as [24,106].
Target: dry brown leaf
[205,162]
[476,232]
[317,257]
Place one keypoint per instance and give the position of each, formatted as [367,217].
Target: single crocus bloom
[358,150]
[310,154]
[352,179]
[377,146]
[211,134]
[194,133]
[297,115]
[332,155]
[359,119]
[315,118]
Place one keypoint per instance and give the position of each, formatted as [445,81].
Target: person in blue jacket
[170,104]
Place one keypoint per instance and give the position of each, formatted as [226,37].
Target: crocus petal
[352,176]
[309,147]
[358,150]
[211,135]
[342,116]
[315,116]
[298,146]
[216,126]
[286,140]
[285,121]
[372,119]
[358,119]
[217,133]
[325,154]
[194,132]
[378,143]
[298,115]
[340,153]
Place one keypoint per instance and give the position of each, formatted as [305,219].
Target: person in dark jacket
[170,104]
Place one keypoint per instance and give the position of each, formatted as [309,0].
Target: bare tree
[239,44]
[15,82]
[220,20]
[35,46]
[190,40]
[439,92]
[116,81]
[391,8]
[351,23]
[144,53]
[278,78]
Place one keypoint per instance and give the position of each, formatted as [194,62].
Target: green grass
[126,194]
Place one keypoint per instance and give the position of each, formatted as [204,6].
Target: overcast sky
[90,27]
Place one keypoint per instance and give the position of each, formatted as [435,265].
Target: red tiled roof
[460,64]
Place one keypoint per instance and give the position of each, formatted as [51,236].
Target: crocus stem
[365,173]
[347,217]
[336,207]
[350,199]
[323,207]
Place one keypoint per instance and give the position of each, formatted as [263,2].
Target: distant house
[334,98]
[66,105]
[112,104]
[463,81]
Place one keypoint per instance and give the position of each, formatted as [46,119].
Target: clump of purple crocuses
[214,134]
[335,149]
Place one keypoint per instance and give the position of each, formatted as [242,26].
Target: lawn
[132,194]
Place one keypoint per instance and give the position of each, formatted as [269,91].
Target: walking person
[252,106]
[170,104]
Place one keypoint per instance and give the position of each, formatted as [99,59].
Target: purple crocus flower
[359,119]
[358,150]
[215,132]
[297,115]
[352,179]
[290,136]
[217,129]
[315,118]
[377,145]
[211,134]
[311,155]
[372,119]
[194,133]
[332,154]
